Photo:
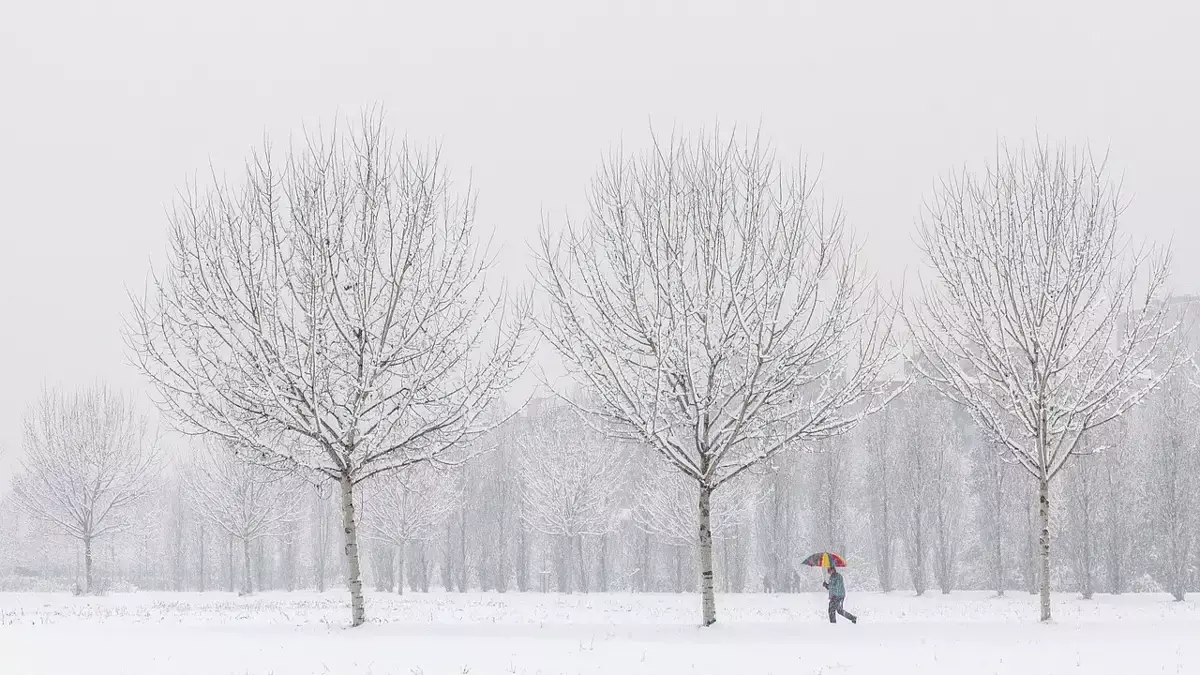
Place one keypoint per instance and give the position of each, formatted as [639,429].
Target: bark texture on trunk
[358,612]
[1044,544]
[708,600]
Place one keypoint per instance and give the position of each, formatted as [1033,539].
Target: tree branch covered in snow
[714,309]
[413,505]
[571,480]
[88,462]
[246,500]
[330,313]
[1037,318]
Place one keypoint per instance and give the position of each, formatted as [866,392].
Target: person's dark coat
[836,586]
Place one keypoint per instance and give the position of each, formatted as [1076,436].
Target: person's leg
[842,610]
[832,609]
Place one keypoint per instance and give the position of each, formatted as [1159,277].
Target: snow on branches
[331,314]
[715,310]
[245,499]
[1037,318]
[88,462]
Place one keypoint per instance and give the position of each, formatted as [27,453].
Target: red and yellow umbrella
[825,559]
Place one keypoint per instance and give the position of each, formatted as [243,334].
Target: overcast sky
[107,107]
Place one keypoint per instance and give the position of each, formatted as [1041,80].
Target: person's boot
[853,619]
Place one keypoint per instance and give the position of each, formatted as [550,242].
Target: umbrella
[825,560]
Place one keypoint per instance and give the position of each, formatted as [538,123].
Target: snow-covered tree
[715,312]
[571,483]
[1174,478]
[330,315]
[411,506]
[1032,319]
[922,432]
[882,489]
[989,479]
[89,461]
[829,472]
[1120,490]
[1082,496]
[244,499]
[780,520]
[946,506]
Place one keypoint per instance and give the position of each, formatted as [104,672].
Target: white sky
[106,107]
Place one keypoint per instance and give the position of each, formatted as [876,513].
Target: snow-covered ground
[304,633]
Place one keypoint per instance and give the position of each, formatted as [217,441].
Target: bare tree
[1120,495]
[244,499]
[779,525]
[330,315]
[922,432]
[829,473]
[570,483]
[1174,474]
[715,313]
[881,484]
[411,507]
[1082,497]
[989,479]
[88,463]
[1033,324]
[946,503]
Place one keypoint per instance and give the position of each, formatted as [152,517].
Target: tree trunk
[322,542]
[1044,544]
[998,557]
[358,612]
[290,554]
[501,571]
[885,548]
[87,565]
[708,602]
[522,560]
[232,570]
[678,569]
[917,553]
[647,577]
[260,556]
[603,573]
[583,576]
[420,566]
[400,569]
[463,569]
[1088,583]
[1030,546]
[247,588]
[202,570]
[448,558]
[180,571]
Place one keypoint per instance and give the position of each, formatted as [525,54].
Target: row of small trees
[330,318]
[938,510]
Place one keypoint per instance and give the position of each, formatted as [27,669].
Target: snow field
[516,634]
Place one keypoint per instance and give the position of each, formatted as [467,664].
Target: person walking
[837,596]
